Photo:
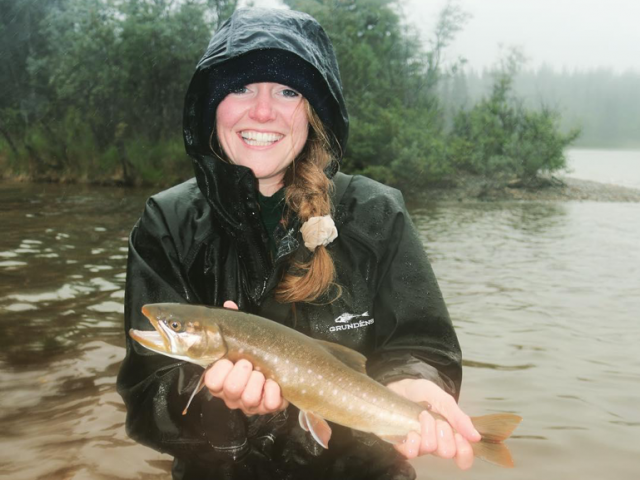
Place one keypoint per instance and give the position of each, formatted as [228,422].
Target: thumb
[462,423]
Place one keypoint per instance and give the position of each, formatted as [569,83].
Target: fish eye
[175,325]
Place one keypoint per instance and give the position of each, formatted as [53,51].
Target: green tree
[113,76]
[499,136]
[20,38]
[390,86]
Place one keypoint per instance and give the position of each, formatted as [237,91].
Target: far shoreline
[556,189]
[465,188]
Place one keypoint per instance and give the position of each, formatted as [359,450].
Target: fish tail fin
[496,453]
[495,429]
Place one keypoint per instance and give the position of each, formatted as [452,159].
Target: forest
[92,91]
[602,103]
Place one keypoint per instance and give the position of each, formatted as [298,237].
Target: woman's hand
[242,387]
[437,436]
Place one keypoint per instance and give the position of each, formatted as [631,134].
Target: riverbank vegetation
[94,90]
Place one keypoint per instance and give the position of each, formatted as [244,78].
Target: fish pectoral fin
[196,390]
[317,426]
[346,355]
[393,439]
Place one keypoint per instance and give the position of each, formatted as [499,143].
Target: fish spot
[321,392]
[304,391]
[309,371]
[241,350]
[335,391]
[284,379]
[295,370]
[286,361]
[319,377]
[344,399]
[275,359]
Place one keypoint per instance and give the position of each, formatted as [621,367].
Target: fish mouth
[157,340]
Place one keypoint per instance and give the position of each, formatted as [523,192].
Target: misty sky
[582,34]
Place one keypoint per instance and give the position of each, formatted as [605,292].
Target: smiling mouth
[260,139]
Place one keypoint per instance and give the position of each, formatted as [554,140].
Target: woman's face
[263,126]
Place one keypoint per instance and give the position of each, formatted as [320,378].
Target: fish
[326,381]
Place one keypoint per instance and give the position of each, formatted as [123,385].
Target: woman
[266,124]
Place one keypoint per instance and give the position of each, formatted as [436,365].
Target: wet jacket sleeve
[155,388]
[414,334]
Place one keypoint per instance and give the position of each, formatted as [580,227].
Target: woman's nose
[263,108]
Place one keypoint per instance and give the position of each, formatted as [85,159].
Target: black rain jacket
[203,242]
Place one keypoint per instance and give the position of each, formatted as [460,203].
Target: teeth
[260,139]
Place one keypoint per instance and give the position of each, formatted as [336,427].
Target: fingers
[231,305]
[252,395]
[446,437]
[410,448]
[214,377]
[446,443]
[459,420]
[273,400]
[428,438]
[237,380]
[464,455]
[242,387]
[442,403]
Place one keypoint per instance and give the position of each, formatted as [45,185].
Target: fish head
[180,335]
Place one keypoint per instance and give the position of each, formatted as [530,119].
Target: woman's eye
[175,326]
[290,93]
[239,90]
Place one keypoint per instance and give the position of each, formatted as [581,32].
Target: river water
[545,298]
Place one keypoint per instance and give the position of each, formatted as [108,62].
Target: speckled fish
[326,381]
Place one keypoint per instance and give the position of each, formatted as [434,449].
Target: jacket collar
[231,192]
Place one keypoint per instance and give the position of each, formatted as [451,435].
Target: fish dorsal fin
[317,426]
[346,355]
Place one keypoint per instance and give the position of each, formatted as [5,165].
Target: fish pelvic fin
[196,390]
[317,426]
[346,355]
[494,430]
[302,419]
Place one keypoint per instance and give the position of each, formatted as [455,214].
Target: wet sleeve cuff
[393,366]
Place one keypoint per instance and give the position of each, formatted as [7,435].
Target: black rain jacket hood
[251,29]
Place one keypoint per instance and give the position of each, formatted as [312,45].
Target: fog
[571,34]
